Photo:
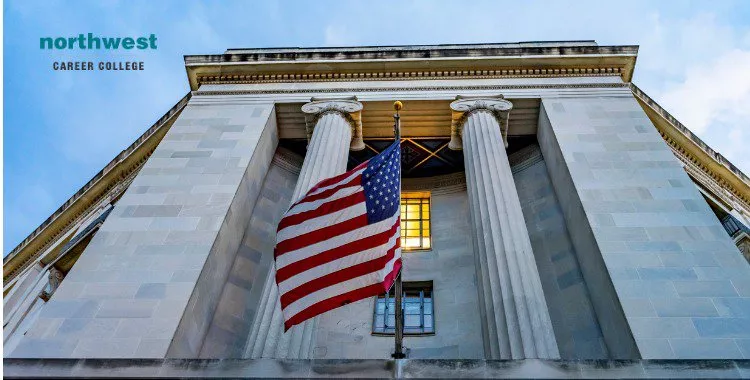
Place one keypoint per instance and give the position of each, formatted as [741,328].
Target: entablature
[475,61]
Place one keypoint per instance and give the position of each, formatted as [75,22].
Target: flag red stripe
[333,303]
[326,208]
[336,277]
[391,277]
[336,253]
[332,180]
[319,235]
[356,181]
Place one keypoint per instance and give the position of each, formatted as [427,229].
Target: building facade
[550,210]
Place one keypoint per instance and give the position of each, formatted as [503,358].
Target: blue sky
[61,128]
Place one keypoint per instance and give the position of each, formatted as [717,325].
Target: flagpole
[399,333]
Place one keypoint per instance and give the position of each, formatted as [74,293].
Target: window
[417,306]
[415,221]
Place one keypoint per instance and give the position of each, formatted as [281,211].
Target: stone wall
[239,300]
[573,318]
[650,246]
[346,332]
[374,369]
[152,275]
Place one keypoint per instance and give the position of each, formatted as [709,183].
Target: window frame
[421,287]
[421,195]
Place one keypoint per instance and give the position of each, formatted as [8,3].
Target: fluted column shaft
[515,315]
[327,155]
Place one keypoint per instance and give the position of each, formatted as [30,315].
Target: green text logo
[91,42]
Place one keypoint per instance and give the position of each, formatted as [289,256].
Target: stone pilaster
[327,154]
[515,315]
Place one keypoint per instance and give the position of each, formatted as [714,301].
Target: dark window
[418,310]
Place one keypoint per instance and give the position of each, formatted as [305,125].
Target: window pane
[426,243]
[413,225]
[428,322]
[380,306]
[412,243]
[379,322]
[391,321]
[412,308]
[412,321]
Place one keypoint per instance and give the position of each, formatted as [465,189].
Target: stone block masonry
[240,299]
[149,282]
[637,216]
[573,318]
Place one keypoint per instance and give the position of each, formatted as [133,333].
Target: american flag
[341,242]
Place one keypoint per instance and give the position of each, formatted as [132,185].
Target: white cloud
[698,69]
[718,91]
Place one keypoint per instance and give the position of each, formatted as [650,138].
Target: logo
[91,42]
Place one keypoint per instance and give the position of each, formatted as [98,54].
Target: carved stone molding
[413,88]
[706,166]
[349,108]
[707,178]
[288,160]
[405,75]
[525,158]
[742,241]
[55,278]
[464,106]
[442,184]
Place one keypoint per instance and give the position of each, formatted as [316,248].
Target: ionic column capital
[348,108]
[465,106]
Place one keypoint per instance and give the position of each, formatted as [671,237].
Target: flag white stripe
[308,206]
[326,220]
[337,241]
[336,265]
[338,183]
[311,299]
[389,266]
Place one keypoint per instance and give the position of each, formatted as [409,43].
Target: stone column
[337,129]
[515,315]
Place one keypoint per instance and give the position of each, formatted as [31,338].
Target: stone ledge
[373,368]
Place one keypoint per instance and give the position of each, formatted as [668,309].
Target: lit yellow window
[415,221]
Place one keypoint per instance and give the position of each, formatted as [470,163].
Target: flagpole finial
[397,105]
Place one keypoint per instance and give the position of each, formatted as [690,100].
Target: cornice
[109,182]
[709,167]
[428,62]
